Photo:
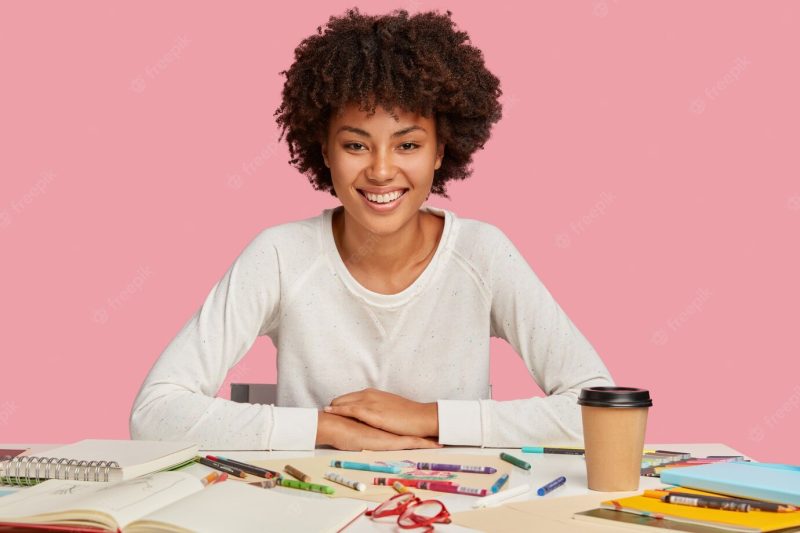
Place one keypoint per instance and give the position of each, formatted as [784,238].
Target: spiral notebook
[171,502]
[96,460]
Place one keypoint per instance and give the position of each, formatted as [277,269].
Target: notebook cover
[738,521]
[135,457]
[13,527]
[645,523]
[768,482]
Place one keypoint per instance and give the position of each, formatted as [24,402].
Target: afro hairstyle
[419,63]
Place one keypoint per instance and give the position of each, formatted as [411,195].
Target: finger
[419,442]
[351,409]
[408,443]
[358,412]
[345,398]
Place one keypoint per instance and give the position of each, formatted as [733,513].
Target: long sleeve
[560,359]
[177,399]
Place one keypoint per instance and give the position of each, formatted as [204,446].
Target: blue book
[759,481]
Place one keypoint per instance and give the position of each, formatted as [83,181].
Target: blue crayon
[551,486]
[366,466]
[499,483]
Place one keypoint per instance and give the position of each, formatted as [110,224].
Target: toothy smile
[383,198]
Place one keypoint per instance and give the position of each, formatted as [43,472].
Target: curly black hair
[419,64]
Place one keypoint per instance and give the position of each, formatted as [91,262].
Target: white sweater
[429,342]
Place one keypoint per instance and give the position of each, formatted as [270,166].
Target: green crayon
[514,461]
[302,485]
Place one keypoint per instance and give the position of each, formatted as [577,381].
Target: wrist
[432,418]
[323,425]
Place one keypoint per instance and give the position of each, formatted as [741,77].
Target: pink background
[646,166]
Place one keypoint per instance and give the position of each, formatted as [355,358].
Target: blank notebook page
[232,506]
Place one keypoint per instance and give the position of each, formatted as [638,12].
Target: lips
[386,207]
[382,191]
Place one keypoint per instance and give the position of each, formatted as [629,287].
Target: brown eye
[411,145]
[351,145]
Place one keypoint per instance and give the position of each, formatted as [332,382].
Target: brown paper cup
[614,423]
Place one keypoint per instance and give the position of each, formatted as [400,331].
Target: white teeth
[383,198]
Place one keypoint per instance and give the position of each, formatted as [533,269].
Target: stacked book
[729,496]
[655,462]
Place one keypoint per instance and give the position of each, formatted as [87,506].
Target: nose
[382,168]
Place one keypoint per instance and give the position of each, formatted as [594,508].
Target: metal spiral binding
[30,470]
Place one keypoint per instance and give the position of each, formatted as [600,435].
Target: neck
[371,252]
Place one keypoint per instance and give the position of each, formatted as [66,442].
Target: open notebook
[96,460]
[173,502]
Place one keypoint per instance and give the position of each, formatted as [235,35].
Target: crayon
[302,485]
[266,483]
[338,478]
[399,487]
[250,469]
[560,451]
[222,467]
[292,471]
[564,450]
[499,483]
[731,504]
[457,468]
[514,461]
[388,481]
[366,466]
[546,489]
[454,489]
[214,477]
[501,496]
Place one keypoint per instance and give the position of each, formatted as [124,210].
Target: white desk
[545,469]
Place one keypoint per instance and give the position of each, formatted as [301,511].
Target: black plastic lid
[615,397]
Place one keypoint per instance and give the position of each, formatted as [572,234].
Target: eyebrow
[399,133]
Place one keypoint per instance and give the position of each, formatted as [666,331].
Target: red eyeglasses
[412,512]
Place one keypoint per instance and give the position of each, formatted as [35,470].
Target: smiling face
[381,165]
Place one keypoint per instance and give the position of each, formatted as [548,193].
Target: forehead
[351,115]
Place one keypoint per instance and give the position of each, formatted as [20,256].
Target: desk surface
[545,468]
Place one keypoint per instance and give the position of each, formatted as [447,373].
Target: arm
[560,359]
[177,399]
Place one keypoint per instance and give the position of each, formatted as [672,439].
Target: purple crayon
[457,468]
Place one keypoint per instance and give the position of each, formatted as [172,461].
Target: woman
[382,308]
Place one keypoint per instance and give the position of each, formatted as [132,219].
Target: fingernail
[327,408]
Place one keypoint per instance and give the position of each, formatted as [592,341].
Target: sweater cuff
[293,428]
[460,422]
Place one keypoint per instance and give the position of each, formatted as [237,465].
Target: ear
[324,143]
[439,156]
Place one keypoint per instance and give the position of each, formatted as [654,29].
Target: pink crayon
[455,489]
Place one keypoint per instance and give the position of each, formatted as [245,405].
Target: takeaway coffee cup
[614,421]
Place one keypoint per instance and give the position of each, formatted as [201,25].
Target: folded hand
[389,412]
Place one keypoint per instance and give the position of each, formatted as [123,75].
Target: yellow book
[732,520]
